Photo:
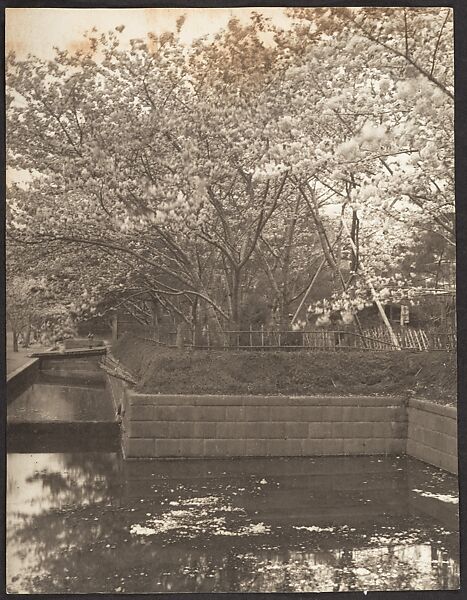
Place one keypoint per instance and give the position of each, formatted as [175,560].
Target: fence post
[262,335]
[251,337]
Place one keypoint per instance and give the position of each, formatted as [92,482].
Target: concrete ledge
[21,378]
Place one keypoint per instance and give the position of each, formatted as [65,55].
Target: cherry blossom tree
[192,172]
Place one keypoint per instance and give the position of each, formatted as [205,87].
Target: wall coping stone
[437,409]
[11,376]
[271,399]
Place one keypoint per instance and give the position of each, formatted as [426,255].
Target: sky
[37,30]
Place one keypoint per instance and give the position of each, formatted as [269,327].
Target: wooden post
[262,335]
[251,337]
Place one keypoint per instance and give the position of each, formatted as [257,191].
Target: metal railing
[372,339]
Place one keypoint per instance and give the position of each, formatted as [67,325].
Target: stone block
[191,448]
[448,426]
[413,448]
[338,429]
[286,413]
[168,448]
[450,463]
[373,446]
[257,413]
[169,413]
[296,430]
[320,430]
[294,447]
[353,413]
[142,399]
[224,448]
[395,445]
[333,446]
[399,429]
[271,430]
[142,412]
[334,413]
[357,429]
[235,413]
[205,429]
[415,432]
[375,413]
[140,448]
[277,447]
[451,445]
[211,413]
[310,414]
[382,429]
[149,429]
[182,429]
[256,447]
[231,430]
[354,446]
[313,447]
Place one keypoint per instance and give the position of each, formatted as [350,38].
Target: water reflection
[51,398]
[84,522]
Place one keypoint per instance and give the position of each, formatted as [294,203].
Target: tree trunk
[155,317]
[114,325]
[235,299]
[27,337]
[283,300]
[15,341]
[179,341]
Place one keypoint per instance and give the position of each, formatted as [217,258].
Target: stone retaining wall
[163,426]
[168,426]
[432,434]
[69,363]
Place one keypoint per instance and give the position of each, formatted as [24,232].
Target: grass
[430,375]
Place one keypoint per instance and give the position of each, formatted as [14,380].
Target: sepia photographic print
[231,300]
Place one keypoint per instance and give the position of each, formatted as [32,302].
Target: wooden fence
[374,339]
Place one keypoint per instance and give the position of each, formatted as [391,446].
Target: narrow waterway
[89,522]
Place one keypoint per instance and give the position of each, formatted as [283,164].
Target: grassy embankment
[430,375]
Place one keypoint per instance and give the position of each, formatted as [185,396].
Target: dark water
[89,522]
[52,398]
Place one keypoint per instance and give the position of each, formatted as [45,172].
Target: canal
[80,519]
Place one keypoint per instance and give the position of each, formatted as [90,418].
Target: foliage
[190,177]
